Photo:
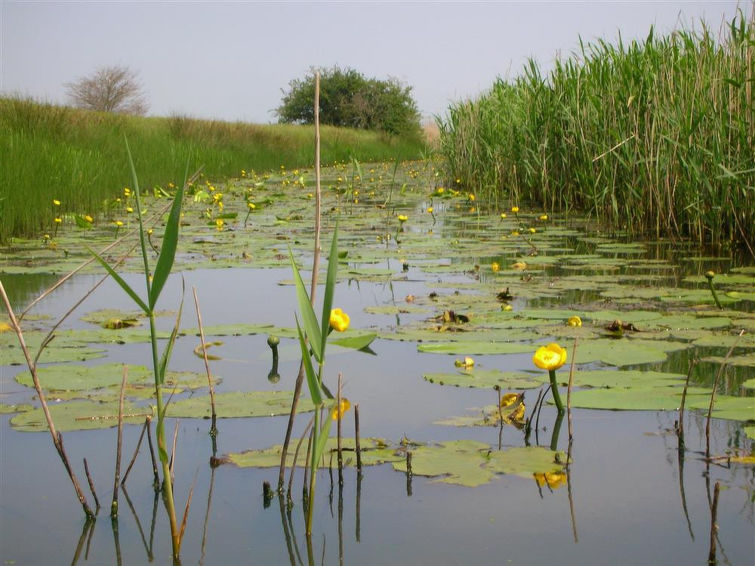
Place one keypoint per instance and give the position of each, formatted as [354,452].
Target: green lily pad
[727,407]
[80,415]
[8,409]
[470,463]
[238,405]
[625,351]
[487,379]
[622,378]
[636,399]
[374,451]
[746,360]
[750,432]
[478,348]
[87,378]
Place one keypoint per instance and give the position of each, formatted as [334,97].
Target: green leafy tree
[348,99]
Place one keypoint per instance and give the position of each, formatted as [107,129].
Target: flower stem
[713,292]
[554,389]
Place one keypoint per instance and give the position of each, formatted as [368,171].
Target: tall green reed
[155,282]
[652,137]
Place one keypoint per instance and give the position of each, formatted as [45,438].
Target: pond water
[628,494]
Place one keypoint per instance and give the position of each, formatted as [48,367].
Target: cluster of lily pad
[633,317]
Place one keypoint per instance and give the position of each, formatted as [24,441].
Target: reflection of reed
[207,513]
[569,488]
[147,547]
[85,530]
[116,541]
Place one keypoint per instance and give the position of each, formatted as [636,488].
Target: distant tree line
[350,100]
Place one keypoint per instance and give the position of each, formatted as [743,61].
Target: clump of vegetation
[350,100]
[76,157]
[653,136]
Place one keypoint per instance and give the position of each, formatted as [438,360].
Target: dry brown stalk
[118,449]
[57,438]
[213,428]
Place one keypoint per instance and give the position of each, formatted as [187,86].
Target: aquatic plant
[155,282]
[313,339]
[551,357]
[652,136]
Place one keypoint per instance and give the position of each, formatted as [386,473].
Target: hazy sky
[230,60]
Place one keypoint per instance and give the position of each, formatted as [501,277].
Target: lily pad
[625,351]
[488,379]
[80,415]
[479,348]
[238,405]
[470,463]
[374,451]
[747,360]
[87,378]
[8,409]
[636,399]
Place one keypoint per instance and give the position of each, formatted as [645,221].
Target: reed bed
[653,137]
[78,157]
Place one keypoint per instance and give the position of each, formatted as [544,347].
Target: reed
[653,137]
[74,156]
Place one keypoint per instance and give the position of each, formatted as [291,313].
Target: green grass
[78,157]
[653,137]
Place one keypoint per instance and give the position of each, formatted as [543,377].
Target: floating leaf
[471,463]
[238,405]
[374,451]
[487,379]
[747,360]
[79,415]
[469,347]
[8,409]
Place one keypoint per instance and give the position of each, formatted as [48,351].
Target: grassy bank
[79,158]
[655,137]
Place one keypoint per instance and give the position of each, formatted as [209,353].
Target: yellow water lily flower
[338,412]
[543,217]
[339,320]
[5,327]
[219,224]
[430,209]
[495,266]
[118,223]
[533,230]
[574,321]
[550,357]
[129,209]
[403,218]
[471,197]
[251,206]
[88,218]
[507,308]
[58,220]
[503,215]
[514,209]
[56,202]
[519,266]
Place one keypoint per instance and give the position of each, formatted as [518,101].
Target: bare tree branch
[109,89]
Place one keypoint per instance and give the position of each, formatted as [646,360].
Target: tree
[109,89]
[348,99]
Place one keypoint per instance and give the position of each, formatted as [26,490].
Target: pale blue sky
[230,60]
